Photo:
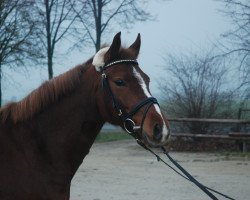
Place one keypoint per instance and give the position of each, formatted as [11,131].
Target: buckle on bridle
[120,113]
[104,75]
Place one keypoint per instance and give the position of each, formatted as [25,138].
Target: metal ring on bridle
[129,125]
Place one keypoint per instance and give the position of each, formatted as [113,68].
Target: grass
[112,136]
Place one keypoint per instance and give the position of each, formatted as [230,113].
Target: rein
[184,174]
[133,130]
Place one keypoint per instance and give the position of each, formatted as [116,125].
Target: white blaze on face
[157,108]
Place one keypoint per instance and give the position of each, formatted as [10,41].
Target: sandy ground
[124,171]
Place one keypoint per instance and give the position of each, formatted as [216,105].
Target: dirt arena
[124,171]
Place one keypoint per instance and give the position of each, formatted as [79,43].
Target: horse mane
[48,93]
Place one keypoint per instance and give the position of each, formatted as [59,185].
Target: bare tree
[55,19]
[238,37]
[98,16]
[17,33]
[195,88]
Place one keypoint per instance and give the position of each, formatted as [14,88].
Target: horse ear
[107,54]
[113,51]
[136,45]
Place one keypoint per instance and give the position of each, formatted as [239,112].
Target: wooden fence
[241,137]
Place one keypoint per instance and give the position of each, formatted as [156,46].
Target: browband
[117,62]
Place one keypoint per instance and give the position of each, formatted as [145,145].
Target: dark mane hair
[49,92]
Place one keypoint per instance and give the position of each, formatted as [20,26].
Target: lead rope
[187,176]
[150,102]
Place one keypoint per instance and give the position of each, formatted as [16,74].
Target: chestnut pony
[45,137]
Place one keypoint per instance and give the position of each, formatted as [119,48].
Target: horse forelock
[125,53]
[48,93]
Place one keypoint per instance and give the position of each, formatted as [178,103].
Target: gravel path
[124,171]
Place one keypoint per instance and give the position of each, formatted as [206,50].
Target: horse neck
[68,128]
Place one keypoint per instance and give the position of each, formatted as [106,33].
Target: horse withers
[45,137]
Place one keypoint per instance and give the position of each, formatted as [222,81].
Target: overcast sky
[181,25]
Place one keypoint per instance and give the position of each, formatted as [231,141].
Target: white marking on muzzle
[143,85]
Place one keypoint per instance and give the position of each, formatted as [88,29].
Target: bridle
[128,123]
[133,130]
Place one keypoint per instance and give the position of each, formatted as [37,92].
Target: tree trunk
[98,26]
[50,64]
[98,41]
[49,45]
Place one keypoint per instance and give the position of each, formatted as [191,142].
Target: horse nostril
[157,132]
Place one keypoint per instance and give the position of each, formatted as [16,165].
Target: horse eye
[120,83]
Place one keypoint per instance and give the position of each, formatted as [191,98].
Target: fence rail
[235,121]
[242,137]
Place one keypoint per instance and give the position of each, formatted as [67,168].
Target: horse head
[125,99]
